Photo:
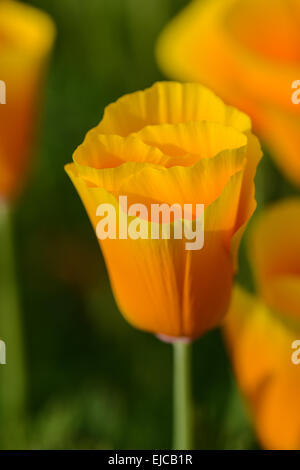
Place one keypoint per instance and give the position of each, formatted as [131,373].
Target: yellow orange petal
[247,52]
[281,131]
[274,249]
[201,183]
[165,145]
[202,44]
[247,203]
[172,144]
[178,284]
[169,103]
[26,37]
[102,151]
[192,140]
[24,30]
[260,344]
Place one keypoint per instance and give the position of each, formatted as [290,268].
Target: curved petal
[101,151]
[274,248]
[247,203]
[246,51]
[26,37]
[166,151]
[260,345]
[166,145]
[203,44]
[281,131]
[276,36]
[25,31]
[191,141]
[159,285]
[200,183]
[169,103]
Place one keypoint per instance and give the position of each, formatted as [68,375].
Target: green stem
[12,375]
[182,396]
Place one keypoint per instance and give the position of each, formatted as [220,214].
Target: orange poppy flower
[176,144]
[275,256]
[263,332]
[247,51]
[26,37]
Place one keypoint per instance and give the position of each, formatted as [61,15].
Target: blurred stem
[12,382]
[182,396]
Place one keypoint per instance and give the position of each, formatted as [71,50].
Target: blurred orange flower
[26,37]
[247,51]
[176,144]
[261,331]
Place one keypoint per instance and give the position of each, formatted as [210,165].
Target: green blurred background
[93,381]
